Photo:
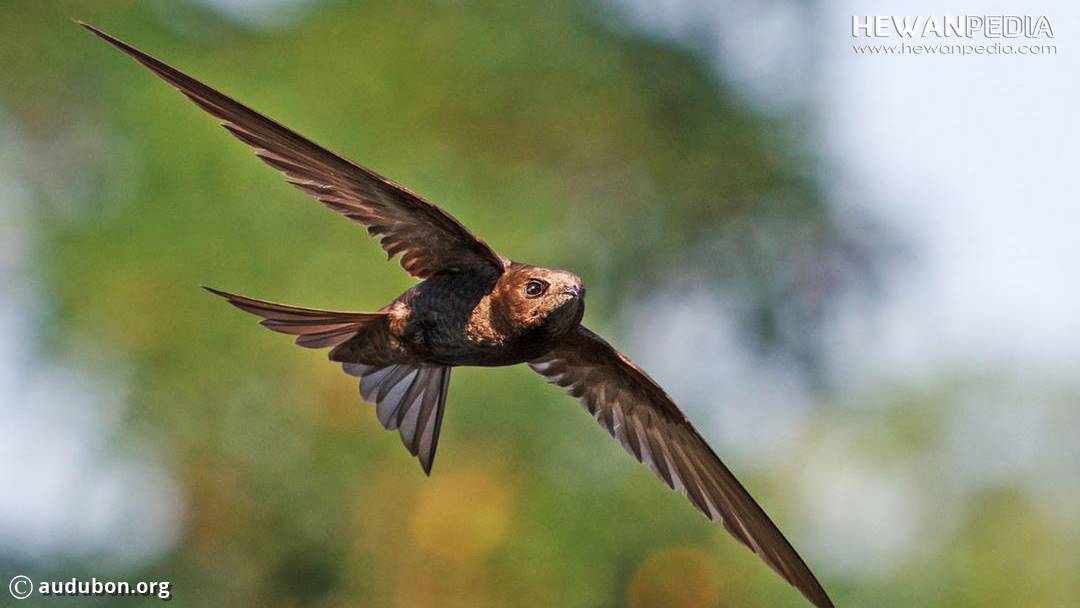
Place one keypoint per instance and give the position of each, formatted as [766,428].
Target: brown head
[532,297]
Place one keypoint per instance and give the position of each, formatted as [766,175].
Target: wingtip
[816,595]
[218,292]
[90,28]
[113,40]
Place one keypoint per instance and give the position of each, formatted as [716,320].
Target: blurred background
[857,274]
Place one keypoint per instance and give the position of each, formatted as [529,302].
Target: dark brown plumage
[474,307]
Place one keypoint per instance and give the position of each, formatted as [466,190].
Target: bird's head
[534,297]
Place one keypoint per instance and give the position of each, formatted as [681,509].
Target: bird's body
[475,307]
[452,320]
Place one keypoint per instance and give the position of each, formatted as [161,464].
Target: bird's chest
[439,322]
[451,339]
[455,330]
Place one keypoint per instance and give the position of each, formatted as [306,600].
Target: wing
[429,239]
[637,412]
[315,328]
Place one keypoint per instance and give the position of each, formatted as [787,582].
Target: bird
[475,307]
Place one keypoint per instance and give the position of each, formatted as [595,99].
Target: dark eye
[535,288]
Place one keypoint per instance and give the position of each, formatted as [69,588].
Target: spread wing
[637,412]
[429,239]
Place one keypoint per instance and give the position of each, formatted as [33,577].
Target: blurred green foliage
[560,138]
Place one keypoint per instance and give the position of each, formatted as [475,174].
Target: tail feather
[313,328]
[410,399]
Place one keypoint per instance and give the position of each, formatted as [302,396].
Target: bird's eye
[535,288]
